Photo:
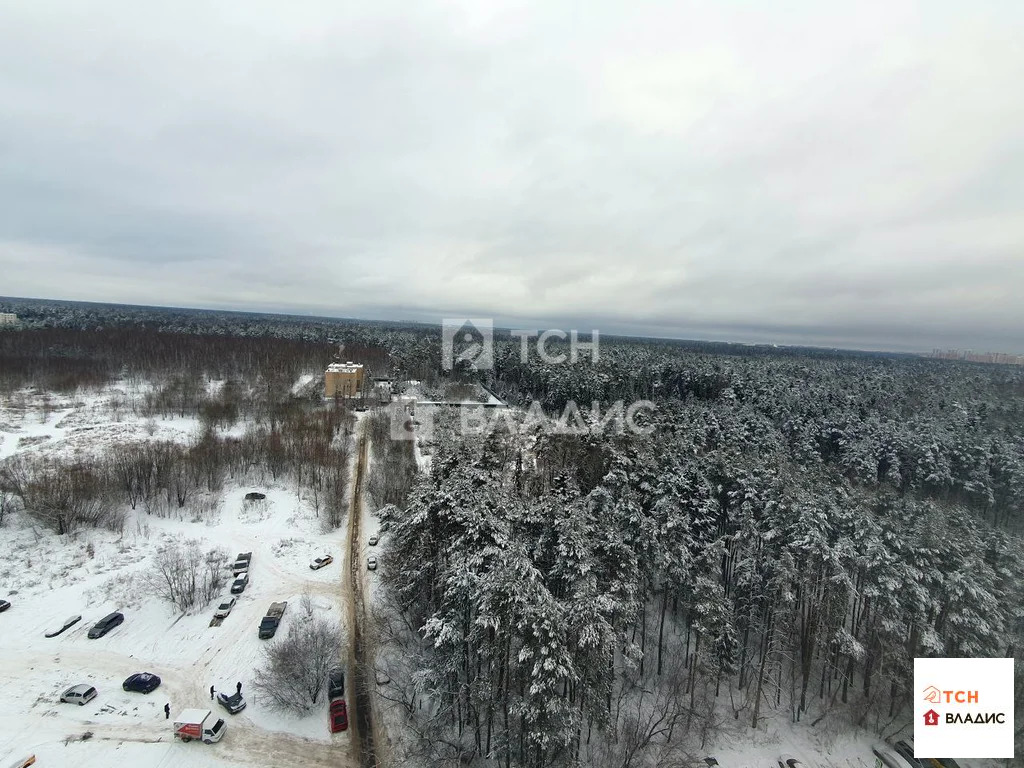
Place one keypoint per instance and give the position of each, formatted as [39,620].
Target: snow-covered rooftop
[348,367]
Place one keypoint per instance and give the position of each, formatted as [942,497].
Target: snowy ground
[83,424]
[48,578]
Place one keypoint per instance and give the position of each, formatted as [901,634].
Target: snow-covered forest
[793,534]
[798,526]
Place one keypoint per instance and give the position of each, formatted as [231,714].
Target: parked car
[4,605]
[104,625]
[374,538]
[320,562]
[239,585]
[242,563]
[142,682]
[371,563]
[25,762]
[338,715]
[270,622]
[70,621]
[78,694]
[233,703]
[336,683]
[225,608]
[788,761]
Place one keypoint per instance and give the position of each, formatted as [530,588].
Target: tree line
[612,599]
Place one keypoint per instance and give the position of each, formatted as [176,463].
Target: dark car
[233,704]
[268,627]
[4,605]
[238,587]
[141,682]
[104,625]
[335,684]
[339,716]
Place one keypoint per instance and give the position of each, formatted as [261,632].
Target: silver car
[224,608]
[78,694]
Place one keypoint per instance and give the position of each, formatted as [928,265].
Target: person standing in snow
[238,689]
[167,711]
[211,691]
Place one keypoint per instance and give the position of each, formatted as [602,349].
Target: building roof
[349,367]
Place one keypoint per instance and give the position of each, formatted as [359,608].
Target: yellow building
[344,380]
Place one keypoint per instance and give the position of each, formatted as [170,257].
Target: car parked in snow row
[239,584]
[242,562]
[338,715]
[70,621]
[225,607]
[336,683]
[270,623]
[104,625]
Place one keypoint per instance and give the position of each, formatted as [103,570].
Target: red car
[339,716]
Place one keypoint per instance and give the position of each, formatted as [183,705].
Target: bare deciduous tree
[6,504]
[60,496]
[295,668]
[186,576]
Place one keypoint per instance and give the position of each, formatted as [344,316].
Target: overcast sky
[813,172]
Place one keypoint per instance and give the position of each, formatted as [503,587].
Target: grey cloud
[807,174]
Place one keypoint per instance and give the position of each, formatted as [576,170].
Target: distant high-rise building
[6,318]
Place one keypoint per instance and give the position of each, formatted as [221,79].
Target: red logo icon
[931,717]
